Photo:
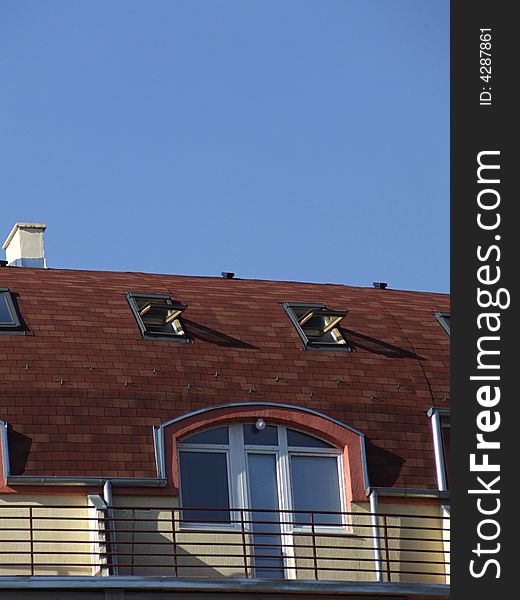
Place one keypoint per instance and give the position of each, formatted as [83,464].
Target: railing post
[31,539]
[387,553]
[314,549]
[244,544]
[174,543]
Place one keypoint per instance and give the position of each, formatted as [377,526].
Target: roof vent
[227,275]
[380,285]
[24,245]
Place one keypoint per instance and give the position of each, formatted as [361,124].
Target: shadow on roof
[205,334]
[369,344]
[385,466]
[19,447]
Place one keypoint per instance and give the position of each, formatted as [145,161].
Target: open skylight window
[9,319]
[317,325]
[158,315]
[444,320]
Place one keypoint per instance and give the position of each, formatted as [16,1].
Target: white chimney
[24,245]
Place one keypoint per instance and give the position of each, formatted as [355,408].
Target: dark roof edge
[248,279]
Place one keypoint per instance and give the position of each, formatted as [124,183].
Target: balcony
[193,543]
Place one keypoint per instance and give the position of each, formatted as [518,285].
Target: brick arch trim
[345,438]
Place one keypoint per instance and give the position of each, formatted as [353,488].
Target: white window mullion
[285,499]
[238,471]
[284,481]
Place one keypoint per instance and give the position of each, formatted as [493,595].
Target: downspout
[438,450]
[107,497]
[374,509]
[5,452]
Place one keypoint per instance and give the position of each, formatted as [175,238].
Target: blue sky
[301,140]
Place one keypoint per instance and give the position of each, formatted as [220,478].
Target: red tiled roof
[72,412]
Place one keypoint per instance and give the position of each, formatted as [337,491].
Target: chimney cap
[24,246]
[380,285]
[22,225]
[227,275]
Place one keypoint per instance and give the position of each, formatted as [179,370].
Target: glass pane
[219,435]
[315,487]
[204,485]
[5,315]
[156,319]
[302,440]
[264,437]
[314,326]
[263,494]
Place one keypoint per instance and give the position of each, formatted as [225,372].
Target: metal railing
[203,542]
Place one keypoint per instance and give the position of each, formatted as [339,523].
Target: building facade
[196,436]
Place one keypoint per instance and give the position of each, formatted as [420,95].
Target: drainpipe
[374,509]
[107,497]
[438,450]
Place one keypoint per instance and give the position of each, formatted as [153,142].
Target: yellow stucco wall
[428,542]
[351,556]
[145,528]
[53,533]
[345,555]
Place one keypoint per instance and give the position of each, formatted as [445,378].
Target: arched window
[263,467]
[280,479]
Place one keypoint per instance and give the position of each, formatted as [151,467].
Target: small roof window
[9,317]
[317,325]
[444,320]
[158,315]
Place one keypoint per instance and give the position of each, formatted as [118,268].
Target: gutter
[409,492]
[86,481]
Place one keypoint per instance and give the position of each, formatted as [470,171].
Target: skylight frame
[15,326]
[441,317]
[132,298]
[313,344]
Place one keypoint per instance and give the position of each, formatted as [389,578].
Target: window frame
[238,479]
[217,449]
[16,326]
[310,344]
[441,318]
[345,526]
[145,333]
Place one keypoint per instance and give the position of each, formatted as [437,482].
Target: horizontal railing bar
[205,555]
[278,556]
[250,545]
[218,509]
[231,522]
[317,535]
[39,565]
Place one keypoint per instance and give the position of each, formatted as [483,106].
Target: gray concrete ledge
[266,586]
